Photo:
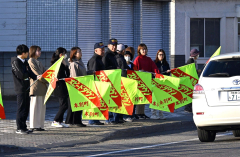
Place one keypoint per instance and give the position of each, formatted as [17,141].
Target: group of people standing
[114,56]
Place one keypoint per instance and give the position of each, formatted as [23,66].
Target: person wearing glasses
[162,63]
[164,68]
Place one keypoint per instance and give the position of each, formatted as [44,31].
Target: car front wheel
[236,133]
[206,136]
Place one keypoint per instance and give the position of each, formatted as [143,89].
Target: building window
[205,35]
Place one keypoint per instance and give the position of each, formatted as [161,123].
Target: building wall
[12,24]
[12,33]
[51,24]
[226,10]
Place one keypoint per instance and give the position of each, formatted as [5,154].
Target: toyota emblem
[236,82]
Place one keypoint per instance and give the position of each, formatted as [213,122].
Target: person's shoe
[120,121]
[97,123]
[146,117]
[128,119]
[140,116]
[39,129]
[81,125]
[154,117]
[36,129]
[161,116]
[136,116]
[64,125]
[188,111]
[57,124]
[143,116]
[107,123]
[28,131]
[110,123]
[22,132]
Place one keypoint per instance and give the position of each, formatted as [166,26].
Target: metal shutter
[89,26]
[152,26]
[166,29]
[122,21]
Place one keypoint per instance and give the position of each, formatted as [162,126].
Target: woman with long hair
[162,63]
[37,91]
[144,63]
[164,68]
[61,89]
[76,68]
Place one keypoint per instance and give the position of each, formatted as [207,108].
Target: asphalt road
[174,143]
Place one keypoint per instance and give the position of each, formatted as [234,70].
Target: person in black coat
[110,63]
[162,63]
[122,64]
[194,53]
[109,59]
[61,90]
[21,72]
[96,64]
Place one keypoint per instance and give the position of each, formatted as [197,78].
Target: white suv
[216,97]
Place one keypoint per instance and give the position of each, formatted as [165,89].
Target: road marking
[151,146]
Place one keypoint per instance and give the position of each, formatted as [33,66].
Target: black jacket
[190,60]
[122,64]
[21,73]
[132,65]
[109,60]
[61,88]
[163,67]
[95,63]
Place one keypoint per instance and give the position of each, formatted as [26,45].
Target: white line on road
[151,146]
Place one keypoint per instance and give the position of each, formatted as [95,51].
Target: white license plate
[234,96]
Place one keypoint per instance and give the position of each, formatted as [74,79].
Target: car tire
[206,135]
[236,133]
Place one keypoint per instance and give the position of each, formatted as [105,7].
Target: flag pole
[33,84]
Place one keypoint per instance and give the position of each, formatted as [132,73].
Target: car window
[222,68]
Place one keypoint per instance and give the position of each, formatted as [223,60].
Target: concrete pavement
[62,137]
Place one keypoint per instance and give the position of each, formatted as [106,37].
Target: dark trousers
[63,106]
[188,107]
[73,117]
[23,104]
[113,117]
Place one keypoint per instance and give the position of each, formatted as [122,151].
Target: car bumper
[204,115]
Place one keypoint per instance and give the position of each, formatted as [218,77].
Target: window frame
[204,35]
